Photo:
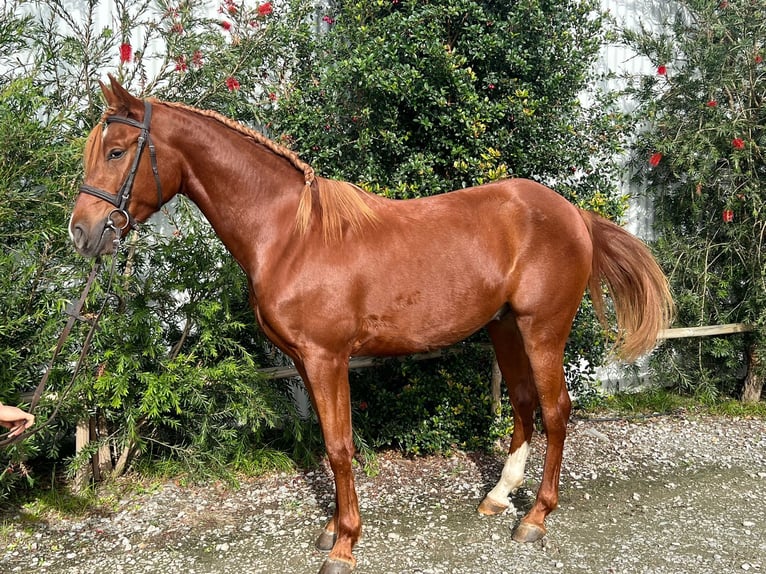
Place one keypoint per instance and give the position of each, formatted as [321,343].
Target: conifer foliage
[701,155]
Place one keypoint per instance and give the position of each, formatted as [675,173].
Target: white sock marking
[512,476]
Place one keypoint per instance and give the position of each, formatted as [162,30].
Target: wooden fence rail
[708,331]
[366,362]
[360,363]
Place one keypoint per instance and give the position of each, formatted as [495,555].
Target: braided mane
[290,155]
[340,202]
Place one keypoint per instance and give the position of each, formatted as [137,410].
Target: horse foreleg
[327,382]
[514,365]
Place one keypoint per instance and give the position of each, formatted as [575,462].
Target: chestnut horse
[335,271]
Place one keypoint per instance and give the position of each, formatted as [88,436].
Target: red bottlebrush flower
[758,58]
[711,103]
[328,20]
[727,215]
[655,159]
[265,9]
[225,25]
[491,86]
[197,59]
[232,83]
[272,96]
[181,65]
[662,70]
[738,143]
[177,28]
[126,53]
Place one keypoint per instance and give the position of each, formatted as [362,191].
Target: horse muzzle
[99,238]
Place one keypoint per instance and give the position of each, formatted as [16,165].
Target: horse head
[127,178]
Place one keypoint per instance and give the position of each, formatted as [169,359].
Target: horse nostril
[79,236]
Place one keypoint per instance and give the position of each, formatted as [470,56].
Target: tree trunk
[122,462]
[754,378]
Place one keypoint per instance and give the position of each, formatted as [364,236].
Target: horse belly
[428,318]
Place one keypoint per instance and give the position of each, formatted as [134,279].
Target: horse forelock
[93,146]
[94,143]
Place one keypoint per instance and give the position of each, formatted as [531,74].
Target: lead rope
[74,315]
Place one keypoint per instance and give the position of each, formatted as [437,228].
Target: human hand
[15,419]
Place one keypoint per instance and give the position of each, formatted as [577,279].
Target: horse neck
[249,194]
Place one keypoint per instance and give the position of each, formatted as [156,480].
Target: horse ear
[106,92]
[120,101]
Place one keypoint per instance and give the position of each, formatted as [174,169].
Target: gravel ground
[681,494]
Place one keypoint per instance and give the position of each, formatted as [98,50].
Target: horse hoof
[326,541]
[526,532]
[333,566]
[489,507]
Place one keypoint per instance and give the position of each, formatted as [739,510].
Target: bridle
[120,202]
[121,199]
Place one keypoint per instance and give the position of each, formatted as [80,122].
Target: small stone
[596,434]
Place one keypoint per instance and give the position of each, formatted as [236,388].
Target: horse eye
[116,154]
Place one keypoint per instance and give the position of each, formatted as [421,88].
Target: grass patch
[734,408]
[59,500]
[193,470]
[663,401]
[657,400]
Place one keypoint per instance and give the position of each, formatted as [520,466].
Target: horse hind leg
[514,365]
[544,340]
[326,539]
